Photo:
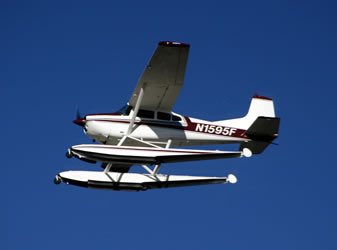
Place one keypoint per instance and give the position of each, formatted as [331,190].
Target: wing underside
[162,78]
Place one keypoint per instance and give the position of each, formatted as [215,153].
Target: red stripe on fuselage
[191,126]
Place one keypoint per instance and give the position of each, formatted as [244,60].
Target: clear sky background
[56,55]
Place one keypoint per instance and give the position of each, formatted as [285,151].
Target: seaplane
[148,133]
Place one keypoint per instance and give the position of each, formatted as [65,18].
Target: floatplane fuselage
[146,132]
[161,128]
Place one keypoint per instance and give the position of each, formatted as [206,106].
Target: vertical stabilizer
[259,106]
[262,126]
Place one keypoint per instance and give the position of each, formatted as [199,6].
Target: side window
[163,116]
[176,118]
[145,114]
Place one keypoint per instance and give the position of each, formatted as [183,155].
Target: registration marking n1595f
[214,129]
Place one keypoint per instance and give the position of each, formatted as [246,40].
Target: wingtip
[173,44]
[262,97]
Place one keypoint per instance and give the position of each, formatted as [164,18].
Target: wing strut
[168,144]
[135,111]
[134,114]
[153,172]
[139,140]
[107,168]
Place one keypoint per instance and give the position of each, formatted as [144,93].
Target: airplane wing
[163,77]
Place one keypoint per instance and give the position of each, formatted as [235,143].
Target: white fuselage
[110,128]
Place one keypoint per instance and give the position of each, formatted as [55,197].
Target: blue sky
[56,55]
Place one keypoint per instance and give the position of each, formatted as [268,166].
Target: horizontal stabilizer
[264,128]
[262,132]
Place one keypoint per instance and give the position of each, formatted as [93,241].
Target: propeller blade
[79,120]
[78,114]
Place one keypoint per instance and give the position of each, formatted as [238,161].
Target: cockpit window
[163,116]
[176,118]
[124,110]
[145,114]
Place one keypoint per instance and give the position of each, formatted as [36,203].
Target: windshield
[124,110]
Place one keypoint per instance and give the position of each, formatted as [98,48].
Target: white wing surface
[163,77]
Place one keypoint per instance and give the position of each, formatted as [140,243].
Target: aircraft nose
[80,122]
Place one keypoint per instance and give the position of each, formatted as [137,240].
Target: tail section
[262,132]
[259,106]
[264,126]
[260,124]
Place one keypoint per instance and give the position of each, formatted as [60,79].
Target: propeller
[78,114]
[79,120]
